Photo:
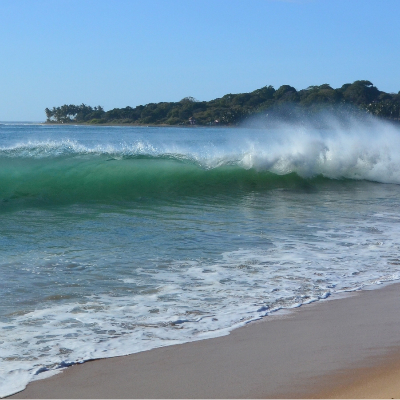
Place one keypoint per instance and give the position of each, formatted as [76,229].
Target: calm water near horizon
[115,240]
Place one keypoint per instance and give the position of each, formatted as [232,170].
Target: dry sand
[345,347]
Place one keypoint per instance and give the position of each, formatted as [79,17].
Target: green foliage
[232,109]
[361,92]
[71,113]
[286,93]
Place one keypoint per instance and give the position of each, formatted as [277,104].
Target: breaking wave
[66,171]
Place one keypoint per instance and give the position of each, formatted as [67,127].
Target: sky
[118,53]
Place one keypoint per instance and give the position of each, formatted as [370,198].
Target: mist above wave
[348,147]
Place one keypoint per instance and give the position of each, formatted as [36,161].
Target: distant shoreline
[140,125]
[267,103]
[237,126]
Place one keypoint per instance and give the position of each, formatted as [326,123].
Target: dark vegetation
[286,103]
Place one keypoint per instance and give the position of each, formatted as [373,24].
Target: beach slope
[345,347]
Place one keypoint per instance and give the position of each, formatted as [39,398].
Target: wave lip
[68,171]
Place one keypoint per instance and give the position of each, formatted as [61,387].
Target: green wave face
[66,180]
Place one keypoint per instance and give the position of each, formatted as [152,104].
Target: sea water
[115,240]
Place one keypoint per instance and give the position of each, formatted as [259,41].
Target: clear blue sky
[116,53]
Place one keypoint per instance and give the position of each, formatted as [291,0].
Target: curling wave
[67,171]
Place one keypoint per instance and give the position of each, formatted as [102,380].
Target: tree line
[233,109]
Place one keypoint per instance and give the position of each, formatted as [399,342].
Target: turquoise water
[115,240]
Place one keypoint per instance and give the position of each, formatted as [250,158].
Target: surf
[90,164]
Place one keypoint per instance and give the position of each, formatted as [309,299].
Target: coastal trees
[323,94]
[286,93]
[361,92]
[285,103]
[72,113]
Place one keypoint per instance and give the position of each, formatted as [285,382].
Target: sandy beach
[345,347]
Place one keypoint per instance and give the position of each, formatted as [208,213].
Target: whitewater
[115,240]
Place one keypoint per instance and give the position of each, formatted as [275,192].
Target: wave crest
[245,160]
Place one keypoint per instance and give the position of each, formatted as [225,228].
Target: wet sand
[344,347]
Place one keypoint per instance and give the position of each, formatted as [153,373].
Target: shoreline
[395,123]
[345,346]
[139,125]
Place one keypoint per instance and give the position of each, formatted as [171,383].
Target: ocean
[115,240]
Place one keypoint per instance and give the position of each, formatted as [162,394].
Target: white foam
[196,300]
